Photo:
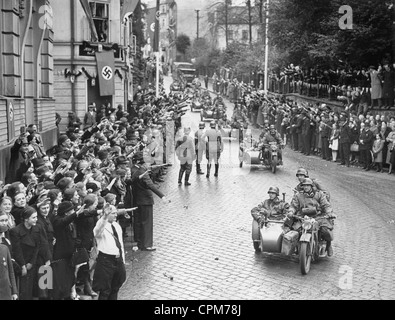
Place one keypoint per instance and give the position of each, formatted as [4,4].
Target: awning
[128,7]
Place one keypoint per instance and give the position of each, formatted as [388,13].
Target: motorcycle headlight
[274,147]
[307,225]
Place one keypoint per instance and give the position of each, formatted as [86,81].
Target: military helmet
[212,124]
[307,181]
[201,125]
[272,127]
[274,190]
[302,171]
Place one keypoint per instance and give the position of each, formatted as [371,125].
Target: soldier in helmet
[272,208]
[302,174]
[214,147]
[313,203]
[200,146]
[185,151]
[272,136]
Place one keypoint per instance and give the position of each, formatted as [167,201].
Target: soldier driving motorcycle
[239,121]
[313,203]
[272,208]
[272,136]
[302,174]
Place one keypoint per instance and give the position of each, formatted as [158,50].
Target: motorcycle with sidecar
[254,155]
[304,240]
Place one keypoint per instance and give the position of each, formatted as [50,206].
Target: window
[261,35]
[230,34]
[101,20]
[244,35]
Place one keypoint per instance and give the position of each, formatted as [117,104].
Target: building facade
[89,59]
[236,22]
[26,73]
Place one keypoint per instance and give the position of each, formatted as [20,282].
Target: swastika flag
[106,72]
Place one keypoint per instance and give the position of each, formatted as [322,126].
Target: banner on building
[10,119]
[156,31]
[106,72]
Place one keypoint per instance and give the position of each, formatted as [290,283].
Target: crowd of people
[69,208]
[346,136]
[374,86]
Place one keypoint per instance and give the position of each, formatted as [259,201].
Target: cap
[64,207]
[92,186]
[62,139]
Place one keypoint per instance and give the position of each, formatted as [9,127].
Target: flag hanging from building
[106,72]
[156,32]
[88,13]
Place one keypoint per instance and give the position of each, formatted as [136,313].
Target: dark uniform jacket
[7,278]
[144,188]
[65,235]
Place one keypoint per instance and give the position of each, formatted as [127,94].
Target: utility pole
[197,24]
[249,20]
[226,23]
[266,47]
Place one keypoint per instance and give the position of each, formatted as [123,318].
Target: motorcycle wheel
[274,164]
[256,235]
[241,164]
[201,116]
[304,258]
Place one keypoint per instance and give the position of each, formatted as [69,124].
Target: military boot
[216,170]
[198,169]
[180,174]
[208,170]
[186,179]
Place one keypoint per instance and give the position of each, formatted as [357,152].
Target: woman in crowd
[19,204]
[377,151]
[391,146]
[8,284]
[334,140]
[6,207]
[26,240]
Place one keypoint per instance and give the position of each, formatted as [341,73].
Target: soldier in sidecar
[272,211]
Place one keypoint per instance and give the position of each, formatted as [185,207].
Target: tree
[183,43]
[308,31]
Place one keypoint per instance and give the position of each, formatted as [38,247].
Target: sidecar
[196,105]
[270,238]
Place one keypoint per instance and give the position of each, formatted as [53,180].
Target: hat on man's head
[89,200]
[62,139]
[102,154]
[92,186]
[121,160]
[139,156]
[68,194]
[38,162]
[110,197]
[49,185]
[64,183]
[64,207]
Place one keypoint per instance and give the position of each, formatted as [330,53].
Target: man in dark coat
[143,189]
[365,145]
[306,134]
[345,140]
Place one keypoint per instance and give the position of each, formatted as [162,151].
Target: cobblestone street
[204,246]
